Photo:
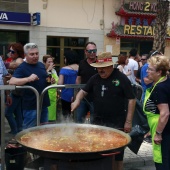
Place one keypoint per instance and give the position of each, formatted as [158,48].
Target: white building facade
[65,24]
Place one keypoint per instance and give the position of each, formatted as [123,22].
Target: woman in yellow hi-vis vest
[157,108]
[49,65]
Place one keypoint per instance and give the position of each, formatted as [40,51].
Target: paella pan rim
[71,155]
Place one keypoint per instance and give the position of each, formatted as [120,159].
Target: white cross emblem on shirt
[103,89]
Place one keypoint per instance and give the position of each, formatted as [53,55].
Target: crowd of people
[107,93]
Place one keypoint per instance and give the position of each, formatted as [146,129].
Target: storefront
[136,28]
[10,35]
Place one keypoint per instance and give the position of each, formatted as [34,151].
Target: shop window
[53,41]
[56,46]
[8,37]
[75,42]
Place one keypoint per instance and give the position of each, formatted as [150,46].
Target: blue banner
[15,18]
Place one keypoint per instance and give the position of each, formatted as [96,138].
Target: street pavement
[141,168]
[143,160]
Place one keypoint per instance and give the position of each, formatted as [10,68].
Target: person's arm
[61,79]
[138,80]
[135,72]
[22,81]
[136,68]
[80,95]
[163,119]
[78,80]
[14,65]
[8,98]
[130,113]
[147,81]
[7,93]
[120,68]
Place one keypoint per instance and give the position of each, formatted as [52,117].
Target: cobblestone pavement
[143,157]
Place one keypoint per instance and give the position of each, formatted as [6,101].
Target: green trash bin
[15,158]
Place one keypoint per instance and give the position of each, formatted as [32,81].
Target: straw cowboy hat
[104,59]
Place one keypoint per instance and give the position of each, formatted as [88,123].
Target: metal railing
[74,86]
[39,100]
[12,87]
[3,88]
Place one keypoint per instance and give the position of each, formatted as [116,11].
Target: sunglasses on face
[143,59]
[92,51]
[12,51]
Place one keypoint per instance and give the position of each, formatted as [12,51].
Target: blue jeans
[165,147]
[30,117]
[14,114]
[82,111]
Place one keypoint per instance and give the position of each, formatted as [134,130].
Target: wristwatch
[158,133]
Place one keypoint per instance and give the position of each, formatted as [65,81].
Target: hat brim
[102,64]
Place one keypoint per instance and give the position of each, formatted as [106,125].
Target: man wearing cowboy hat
[111,91]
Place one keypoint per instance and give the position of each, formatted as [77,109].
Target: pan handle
[110,154]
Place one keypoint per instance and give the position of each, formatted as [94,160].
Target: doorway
[143,47]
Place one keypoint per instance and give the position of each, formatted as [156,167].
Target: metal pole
[2,130]
[37,97]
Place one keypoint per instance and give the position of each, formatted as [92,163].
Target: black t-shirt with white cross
[110,98]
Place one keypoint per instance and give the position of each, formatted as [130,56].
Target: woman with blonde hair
[157,108]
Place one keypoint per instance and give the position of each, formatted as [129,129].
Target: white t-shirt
[132,65]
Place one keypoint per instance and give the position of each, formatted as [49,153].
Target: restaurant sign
[143,24]
[143,6]
[141,30]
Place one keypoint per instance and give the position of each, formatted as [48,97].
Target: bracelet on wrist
[158,133]
[129,122]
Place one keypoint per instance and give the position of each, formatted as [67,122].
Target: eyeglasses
[12,51]
[151,69]
[143,59]
[155,53]
[92,51]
